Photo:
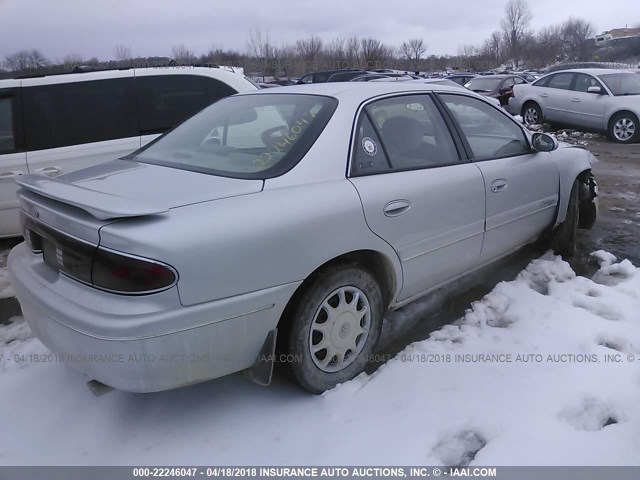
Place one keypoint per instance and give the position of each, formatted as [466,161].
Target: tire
[565,235]
[349,340]
[624,127]
[532,114]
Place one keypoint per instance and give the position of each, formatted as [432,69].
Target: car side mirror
[544,143]
[594,89]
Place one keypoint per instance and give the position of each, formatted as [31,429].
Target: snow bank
[543,370]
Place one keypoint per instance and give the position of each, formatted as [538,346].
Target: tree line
[514,45]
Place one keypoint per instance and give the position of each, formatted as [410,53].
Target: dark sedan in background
[496,86]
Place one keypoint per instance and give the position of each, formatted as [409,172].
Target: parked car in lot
[285,220]
[59,123]
[461,78]
[597,99]
[322,77]
[368,77]
[495,86]
[528,77]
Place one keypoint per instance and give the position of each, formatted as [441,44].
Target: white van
[60,123]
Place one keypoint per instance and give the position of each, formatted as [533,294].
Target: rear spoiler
[103,206]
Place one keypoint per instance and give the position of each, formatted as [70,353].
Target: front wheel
[565,235]
[624,128]
[332,328]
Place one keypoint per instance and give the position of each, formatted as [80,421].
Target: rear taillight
[124,274]
[104,269]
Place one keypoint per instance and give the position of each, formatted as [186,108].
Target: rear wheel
[332,328]
[624,128]
[532,114]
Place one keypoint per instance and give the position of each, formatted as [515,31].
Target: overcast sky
[151,27]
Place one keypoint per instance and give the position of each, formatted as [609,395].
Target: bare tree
[495,46]
[286,59]
[515,27]
[182,55]
[26,60]
[122,52]
[576,39]
[337,51]
[413,50]
[374,52]
[17,61]
[309,49]
[73,60]
[263,50]
[352,50]
[466,53]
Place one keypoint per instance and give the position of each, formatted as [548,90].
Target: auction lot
[532,362]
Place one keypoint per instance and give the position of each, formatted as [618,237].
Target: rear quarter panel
[247,243]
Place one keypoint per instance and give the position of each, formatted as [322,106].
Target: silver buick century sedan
[279,227]
[595,99]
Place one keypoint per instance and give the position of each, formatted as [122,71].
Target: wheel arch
[566,184]
[375,262]
[617,112]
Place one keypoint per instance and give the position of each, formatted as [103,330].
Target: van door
[13,160]
[76,123]
[167,100]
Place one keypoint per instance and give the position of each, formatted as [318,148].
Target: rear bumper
[514,107]
[155,344]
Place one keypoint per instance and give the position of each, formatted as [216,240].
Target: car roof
[593,71]
[359,90]
[235,80]
[499,76]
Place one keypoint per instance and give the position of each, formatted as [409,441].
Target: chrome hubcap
[624,129]
[531,116]
[339,329]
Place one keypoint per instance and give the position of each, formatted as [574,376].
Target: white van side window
[7,136]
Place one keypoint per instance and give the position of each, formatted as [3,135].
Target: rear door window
[561,81]
[413,134]
[67,114]
[369,156]
[7,135]
[164,101]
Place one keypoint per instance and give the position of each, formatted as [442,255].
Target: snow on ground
[559,403]
[5,286]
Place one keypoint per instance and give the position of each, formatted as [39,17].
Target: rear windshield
[483,84]
[245,136]
[622,83]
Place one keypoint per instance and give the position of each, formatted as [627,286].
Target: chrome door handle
[51,171]
[396,208]
[499,185]
[8,176]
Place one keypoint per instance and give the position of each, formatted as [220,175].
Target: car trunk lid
[80,203]
[124,188]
